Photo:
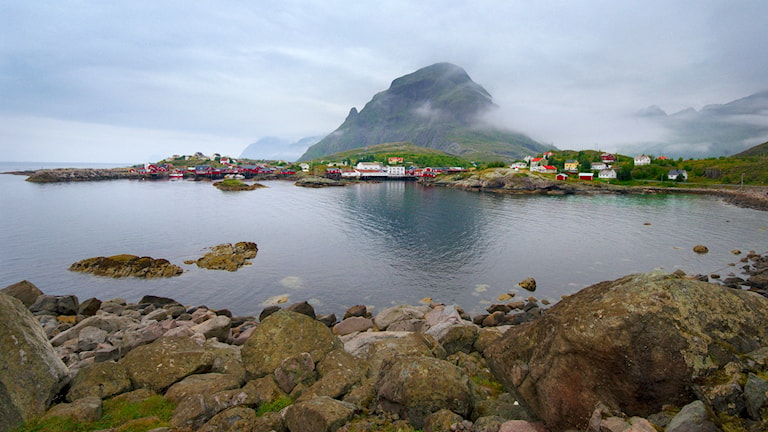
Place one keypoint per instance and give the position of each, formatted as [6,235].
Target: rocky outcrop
[31,373]
[126,265]
[319,182]
[80,174]
[632,344]
[227,256]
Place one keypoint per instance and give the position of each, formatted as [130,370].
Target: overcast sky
[134,81]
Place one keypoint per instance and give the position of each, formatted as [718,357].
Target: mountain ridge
[439,107]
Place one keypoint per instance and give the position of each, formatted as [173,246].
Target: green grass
[274,406]
[156,409]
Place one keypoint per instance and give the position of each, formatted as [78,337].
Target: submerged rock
[126,265]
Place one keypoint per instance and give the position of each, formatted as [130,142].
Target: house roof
[549,167]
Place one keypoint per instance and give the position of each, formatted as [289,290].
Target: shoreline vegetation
[493,180]
[702,365]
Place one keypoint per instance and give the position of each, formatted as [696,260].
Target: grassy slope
[411,154]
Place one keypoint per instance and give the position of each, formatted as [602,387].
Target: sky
[136,81]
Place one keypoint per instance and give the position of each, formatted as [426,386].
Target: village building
[547,169]
[396,171]
[599,166]
[607,174]
[561,176]
[305,167]
[518,165]
[537,162]
[369,166]
[677,174]
[571,165]
[586,175]
[642,160]
[608,157]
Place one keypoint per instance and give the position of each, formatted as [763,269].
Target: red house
[562,176]
[586,176]
[608,158]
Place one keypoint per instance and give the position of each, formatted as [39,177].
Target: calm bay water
[374,244]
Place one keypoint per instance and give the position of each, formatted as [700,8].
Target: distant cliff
[439,107]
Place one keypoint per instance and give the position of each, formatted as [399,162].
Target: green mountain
[760,150]
[439,107]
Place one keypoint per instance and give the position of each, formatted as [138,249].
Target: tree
[624,173]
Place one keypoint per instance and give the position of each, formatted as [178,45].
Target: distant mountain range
[438,107]
[715,130]
[274,148]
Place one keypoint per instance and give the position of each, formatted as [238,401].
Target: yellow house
[571,165]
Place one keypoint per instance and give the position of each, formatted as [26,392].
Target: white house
[598,166]
[607,174]
[369,166]
[304,166]
[642,160]
[518,165]
[675,174]
[395,171]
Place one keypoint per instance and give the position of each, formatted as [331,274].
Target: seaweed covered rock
[236,185]
[227,256]
[126,265]
[634,344]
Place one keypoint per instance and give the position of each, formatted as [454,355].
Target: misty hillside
[715,130]
[756,151]
[273,148]
[439,107]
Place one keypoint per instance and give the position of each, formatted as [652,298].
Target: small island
[236,185]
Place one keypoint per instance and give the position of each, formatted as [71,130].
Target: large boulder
[633,344]
[415,387]
[282,335]
[321,414]
[164,362]
[25,291]
[31,373]
[101,380]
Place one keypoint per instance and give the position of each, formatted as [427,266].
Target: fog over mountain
[714,130]
[274,148]
[439,107]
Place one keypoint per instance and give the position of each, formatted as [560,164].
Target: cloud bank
[129,81]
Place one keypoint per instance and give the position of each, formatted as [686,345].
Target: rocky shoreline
[647,352]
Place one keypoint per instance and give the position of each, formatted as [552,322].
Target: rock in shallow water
[126,265]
